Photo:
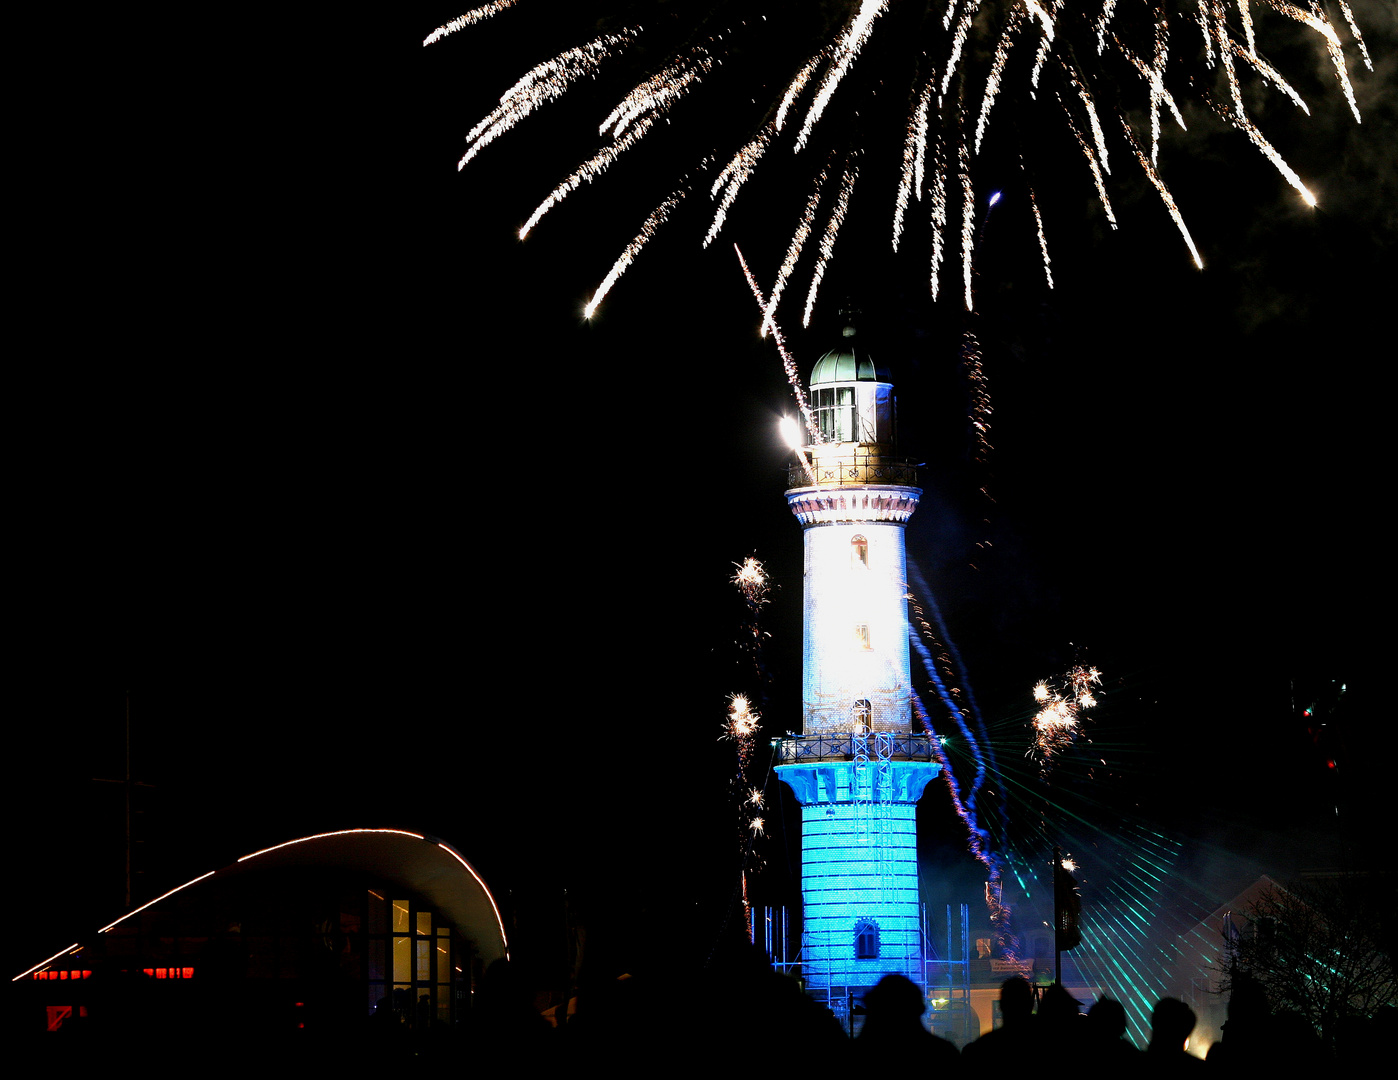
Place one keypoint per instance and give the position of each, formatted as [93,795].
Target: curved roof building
[330,928]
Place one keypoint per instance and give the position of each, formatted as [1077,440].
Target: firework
[1061,705]
[1078,66]
[751,579]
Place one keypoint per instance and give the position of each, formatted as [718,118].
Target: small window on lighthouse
[866,940]
[863,715]
[861,635]
[858,551]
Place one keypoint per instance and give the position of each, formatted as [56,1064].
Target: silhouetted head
[1107,1019]
[896,1000]
[1016,1000]
[1057,1005]
[1170,1024]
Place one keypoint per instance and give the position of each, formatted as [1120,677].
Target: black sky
[378,530]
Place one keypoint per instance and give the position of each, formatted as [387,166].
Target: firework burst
[1062,703]
[984,82]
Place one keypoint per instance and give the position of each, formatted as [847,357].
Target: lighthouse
[858,767]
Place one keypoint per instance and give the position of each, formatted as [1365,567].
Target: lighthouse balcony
[851,465]
[852,746]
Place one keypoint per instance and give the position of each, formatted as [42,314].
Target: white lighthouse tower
[857,768]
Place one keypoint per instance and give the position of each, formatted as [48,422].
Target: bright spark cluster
[1061,705]
[1078,61]
[751,579]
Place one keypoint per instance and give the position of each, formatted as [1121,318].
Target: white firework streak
[1272,75]
[1358,37]
[846,50]
[1098,138]
[660,91]
[588,170]
[736,174]
[793,373]
[997,71]
[914,160]
[737,171]
[832,229]
[1087,152]
[1165,195]
[1039,226]
[1321,26]
[796,86]
[1246,14]
[1108,10]
[1208,34]
[958,42]
[939,215]
[793,251]
[968,216]
[625,259]
[1248,128]
[1225,55]
[1154,77]
[544,83]
[469,19]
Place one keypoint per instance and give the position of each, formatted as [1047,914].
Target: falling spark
[793,373]
[469,19]
[625,259]
[845,51]
[1164,192]
[793,251]
[544,83]
[827,241]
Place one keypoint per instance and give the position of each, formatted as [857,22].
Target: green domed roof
[845,364]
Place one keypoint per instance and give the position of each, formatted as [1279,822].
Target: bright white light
[791,432]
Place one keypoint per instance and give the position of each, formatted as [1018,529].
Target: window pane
[400,916]
[402,959]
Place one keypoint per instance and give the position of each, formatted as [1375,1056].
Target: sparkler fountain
[858,768]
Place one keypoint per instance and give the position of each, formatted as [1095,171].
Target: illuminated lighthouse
[857,768]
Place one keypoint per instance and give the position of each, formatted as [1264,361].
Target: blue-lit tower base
[857,769]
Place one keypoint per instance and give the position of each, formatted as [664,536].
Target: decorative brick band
[815,506]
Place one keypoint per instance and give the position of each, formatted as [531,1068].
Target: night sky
[378,530]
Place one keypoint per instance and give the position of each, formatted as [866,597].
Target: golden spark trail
[845,51]
[589,170]
[657,218]
[793,251]
[958,42]
[1091,157]
[544,83]
[1165,195]
[1249,129]
[1039,228]
[1108,10]
[997,72]
[914,159]
[1354,32]
[939,215]
[832,229]
[660,91]
[793,373]
[968,217]
[469,19]
[1321,26]
[736,173]
[1272,75]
